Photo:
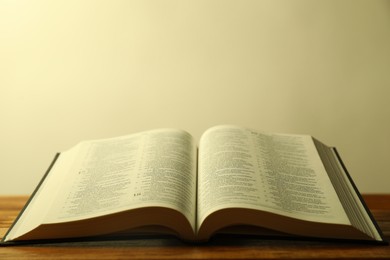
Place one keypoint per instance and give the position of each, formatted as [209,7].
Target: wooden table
[223,247]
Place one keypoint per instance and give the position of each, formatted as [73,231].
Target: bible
[235,180]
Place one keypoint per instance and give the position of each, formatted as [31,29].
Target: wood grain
[218,248]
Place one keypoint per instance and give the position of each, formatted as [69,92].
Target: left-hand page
[149,169]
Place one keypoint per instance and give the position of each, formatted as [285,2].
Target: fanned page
[276,173]
[96,178]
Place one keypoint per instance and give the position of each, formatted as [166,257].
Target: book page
[278,173]
[154,168]
[34,213]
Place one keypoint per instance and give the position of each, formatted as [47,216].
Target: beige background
[75,70]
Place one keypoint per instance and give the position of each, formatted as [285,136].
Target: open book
[236,180]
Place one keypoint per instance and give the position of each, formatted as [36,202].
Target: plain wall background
[76,70]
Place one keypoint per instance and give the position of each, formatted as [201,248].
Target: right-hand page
[278,173]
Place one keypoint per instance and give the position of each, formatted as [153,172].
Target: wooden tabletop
[220,248]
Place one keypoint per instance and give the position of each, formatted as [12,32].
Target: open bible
[235,180]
